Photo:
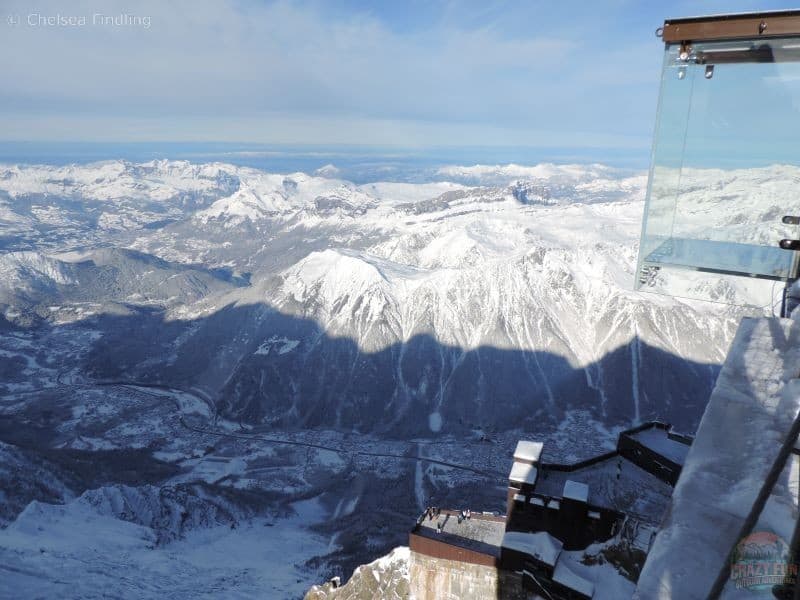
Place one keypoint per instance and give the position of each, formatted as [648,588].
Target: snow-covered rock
[386,577]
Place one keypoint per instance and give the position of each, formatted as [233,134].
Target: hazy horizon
[456,74]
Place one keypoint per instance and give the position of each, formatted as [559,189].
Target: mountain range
[194,354]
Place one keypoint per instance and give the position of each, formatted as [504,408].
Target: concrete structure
[551,509]
[433,578]
[446,535]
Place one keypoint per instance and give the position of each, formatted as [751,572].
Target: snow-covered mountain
[410,308]
[232,348]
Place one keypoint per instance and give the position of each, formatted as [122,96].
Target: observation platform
[476,540]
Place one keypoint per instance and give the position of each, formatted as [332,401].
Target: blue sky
[529,73]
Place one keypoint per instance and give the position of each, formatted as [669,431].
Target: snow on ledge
[575,490]
[528,451]
[523,473]
[540,545]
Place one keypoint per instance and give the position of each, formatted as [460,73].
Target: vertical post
[789,299]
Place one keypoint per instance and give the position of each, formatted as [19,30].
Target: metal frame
[732,27]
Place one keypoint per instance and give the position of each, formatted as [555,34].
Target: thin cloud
[213,70]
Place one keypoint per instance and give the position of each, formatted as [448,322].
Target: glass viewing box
[723,195]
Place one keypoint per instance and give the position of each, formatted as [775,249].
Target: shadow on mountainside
[261,366]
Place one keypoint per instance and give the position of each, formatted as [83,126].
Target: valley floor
[239,512]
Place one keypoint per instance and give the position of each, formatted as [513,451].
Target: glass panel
[725,167]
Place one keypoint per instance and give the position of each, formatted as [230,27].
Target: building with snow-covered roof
[586,501]
[552,508]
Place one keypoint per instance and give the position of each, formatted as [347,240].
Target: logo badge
[760,561]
